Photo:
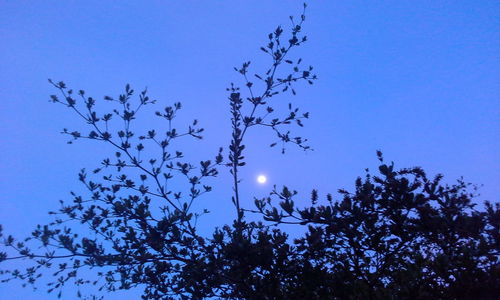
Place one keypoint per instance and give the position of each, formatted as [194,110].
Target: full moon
[261,179]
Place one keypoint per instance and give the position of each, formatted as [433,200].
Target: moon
[261,179]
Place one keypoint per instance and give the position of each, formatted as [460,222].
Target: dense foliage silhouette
[398,235]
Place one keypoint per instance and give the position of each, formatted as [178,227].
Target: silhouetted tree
[399,235]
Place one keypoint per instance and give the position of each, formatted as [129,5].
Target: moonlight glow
[261,179]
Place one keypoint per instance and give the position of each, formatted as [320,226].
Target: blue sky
[418,80]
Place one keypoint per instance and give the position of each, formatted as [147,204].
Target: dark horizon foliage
[399,234]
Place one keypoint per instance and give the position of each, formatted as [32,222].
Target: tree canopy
[399,234]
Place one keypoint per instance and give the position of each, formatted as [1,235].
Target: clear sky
[418,80]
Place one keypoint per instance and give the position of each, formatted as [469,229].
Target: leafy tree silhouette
[399,235]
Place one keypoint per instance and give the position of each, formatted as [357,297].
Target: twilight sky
[417,79]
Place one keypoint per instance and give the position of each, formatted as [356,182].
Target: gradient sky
[417,79]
